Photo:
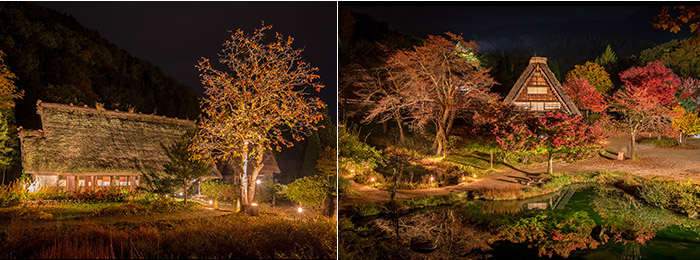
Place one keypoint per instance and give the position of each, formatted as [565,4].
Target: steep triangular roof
[538,67]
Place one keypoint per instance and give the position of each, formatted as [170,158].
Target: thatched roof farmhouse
[80,147]
[538,90]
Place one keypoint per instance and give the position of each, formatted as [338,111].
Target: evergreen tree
[607,59]
[554,67]
[183,167]
[311,155]
[6,147]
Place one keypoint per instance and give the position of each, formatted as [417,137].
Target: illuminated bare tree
[383,91]
[259,103]
[444,78]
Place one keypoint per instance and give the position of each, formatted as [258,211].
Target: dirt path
[671,163]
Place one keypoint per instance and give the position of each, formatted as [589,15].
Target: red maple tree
[646,99]
[553,133]
[584,95]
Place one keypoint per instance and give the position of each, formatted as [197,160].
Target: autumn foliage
[443,78]
[646,99]
[584,95]
[673,18]
[553,133]
[595,75]
[8,90]
[257,104]
[686,122]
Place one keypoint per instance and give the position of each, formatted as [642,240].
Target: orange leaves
[8,90]
[683,15]
[259,103]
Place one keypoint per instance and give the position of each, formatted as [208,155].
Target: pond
[600,222]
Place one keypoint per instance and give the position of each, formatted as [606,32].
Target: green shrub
[220,190]
[659,143]
[656,194]
[12,195]
[126,209]
[431,201]
[688,203]
[355,153]
[103,194]
[366,209]
[343,185]
[309,191]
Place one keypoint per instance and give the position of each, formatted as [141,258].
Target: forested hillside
[58,60]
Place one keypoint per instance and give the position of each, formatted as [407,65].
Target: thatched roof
[537,65]
[87,140]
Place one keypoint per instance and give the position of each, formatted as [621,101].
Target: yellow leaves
[685,121]
[8,90]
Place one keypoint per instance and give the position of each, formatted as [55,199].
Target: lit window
[552,105]
[522,104]
[537,106]
[537,90]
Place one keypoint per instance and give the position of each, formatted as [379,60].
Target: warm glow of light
[474,176]
[372,179]
[180,193]
[352,170]
[254,204]
[257,181]
[211,202]
[431,178]
[464,178]
[299,210]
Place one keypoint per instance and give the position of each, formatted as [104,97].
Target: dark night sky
[175,35]
[473,18]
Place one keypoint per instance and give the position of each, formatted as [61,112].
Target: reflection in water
[580,224]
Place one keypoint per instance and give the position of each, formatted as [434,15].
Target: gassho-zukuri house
[83,148]
[538,90]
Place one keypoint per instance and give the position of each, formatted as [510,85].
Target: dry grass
[234,235]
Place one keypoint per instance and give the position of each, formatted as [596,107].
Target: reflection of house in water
[554,202]
[81,148]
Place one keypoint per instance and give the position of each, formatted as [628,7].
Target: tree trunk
[244,191]
[254,176]
[438,139]
[185,188]
[549,164]
[401,137]
[491,165]
[396,184]
[633,140]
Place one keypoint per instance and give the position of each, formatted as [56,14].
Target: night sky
[509,21]
[175,35]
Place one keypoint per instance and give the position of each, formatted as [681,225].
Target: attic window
[536,90]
